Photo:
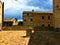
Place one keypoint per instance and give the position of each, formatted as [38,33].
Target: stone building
[56,13]
[34,19]
[43,18]
[10,21]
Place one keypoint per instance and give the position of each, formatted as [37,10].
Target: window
[48,17]
[24,19]
[31,20]
[42,17]
[27,14]
[42,25]
[48,25]
[57,7]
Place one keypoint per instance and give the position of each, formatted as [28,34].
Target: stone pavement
[13,38]
[45,38]
[37,38]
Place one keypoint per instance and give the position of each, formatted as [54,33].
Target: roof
[38,12]
[10,19]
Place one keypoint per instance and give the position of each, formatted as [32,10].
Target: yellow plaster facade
[1,13]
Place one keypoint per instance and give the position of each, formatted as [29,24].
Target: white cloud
[13,3]
[24,1]
[12,6]
[19,4]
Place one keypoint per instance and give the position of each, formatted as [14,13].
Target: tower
[56,13]
[1,13]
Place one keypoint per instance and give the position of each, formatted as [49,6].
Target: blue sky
[15,8]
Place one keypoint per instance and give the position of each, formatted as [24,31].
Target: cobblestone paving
[13,38]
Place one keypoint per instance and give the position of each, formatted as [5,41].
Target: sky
[15,8]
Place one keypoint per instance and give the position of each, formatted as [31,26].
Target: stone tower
[1,13]
[56,13]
